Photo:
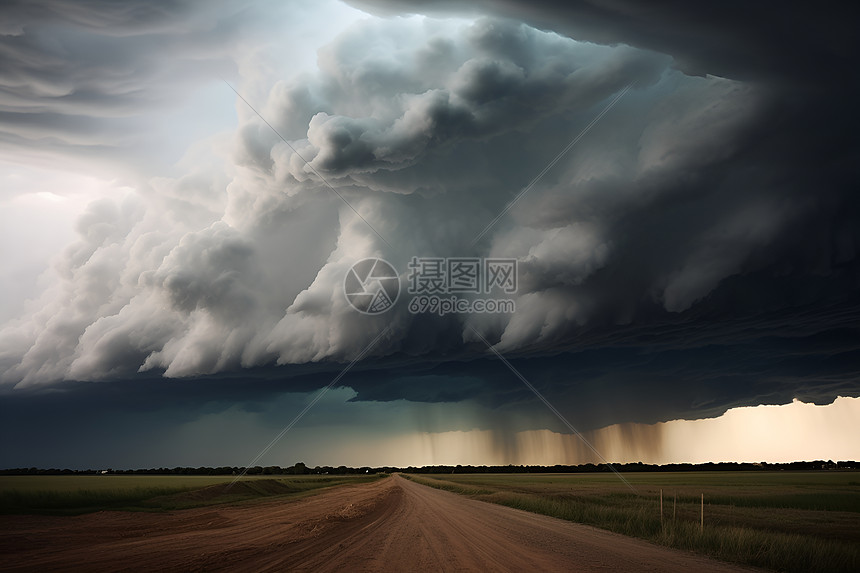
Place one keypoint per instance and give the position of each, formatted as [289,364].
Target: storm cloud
[696,249]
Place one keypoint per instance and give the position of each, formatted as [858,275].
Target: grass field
[787,521]
[84,494]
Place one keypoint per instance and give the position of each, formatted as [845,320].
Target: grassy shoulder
[73,495]
[781,521]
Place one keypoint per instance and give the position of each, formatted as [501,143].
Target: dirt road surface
[389,525]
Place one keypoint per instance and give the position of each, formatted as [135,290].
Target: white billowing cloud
[443,83]
[427,128]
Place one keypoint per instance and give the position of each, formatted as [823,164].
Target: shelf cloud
[695,249]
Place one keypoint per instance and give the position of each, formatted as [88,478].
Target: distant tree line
[302,469]
[297,469]
[639,467]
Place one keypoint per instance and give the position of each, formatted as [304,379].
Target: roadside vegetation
[786,521]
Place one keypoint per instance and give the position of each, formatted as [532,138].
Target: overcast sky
[174,255]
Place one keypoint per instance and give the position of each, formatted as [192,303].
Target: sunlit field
[788,521]
[83,494]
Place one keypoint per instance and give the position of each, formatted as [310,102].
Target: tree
[299,469]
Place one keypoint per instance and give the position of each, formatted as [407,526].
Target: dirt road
[392,525]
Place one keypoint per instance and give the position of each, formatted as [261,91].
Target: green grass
[71,495]
[786,521]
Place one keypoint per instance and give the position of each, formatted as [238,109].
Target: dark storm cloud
[698,253]
[761,41]
[748,239]
[621,380]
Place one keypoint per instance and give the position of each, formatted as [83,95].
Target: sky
[188,191]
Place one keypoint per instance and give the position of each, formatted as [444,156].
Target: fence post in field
[674,505]
[661,508]
[702,522]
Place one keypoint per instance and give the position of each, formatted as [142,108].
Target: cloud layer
[692,224]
